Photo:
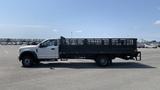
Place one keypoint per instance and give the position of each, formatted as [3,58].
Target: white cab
[48,49]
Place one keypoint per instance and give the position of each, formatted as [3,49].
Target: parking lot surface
[80,74]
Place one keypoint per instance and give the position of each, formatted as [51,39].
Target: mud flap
[138,57]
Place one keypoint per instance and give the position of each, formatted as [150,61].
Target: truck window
[49,43]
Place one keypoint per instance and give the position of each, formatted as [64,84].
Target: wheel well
[32,54]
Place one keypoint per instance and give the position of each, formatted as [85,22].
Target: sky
[80,18]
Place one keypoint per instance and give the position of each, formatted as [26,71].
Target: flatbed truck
[101,50]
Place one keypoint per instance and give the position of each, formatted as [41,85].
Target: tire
[27,61]
[103,61]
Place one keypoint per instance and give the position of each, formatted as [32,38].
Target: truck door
[48,49]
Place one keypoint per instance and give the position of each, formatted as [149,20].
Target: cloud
[78,31]
[157,22]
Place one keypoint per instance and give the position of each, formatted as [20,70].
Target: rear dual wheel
[103,61]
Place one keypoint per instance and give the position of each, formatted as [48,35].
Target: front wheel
[27,61]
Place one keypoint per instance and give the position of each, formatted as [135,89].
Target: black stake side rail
[94,46]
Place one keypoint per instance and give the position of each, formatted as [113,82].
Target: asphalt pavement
[80,74]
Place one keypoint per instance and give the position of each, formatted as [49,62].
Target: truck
[101,50]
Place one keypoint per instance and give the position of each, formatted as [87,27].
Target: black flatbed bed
[91,48]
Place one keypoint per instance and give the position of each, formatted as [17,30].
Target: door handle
[52,48]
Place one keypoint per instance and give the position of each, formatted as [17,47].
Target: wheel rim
[103,61]
[27,61]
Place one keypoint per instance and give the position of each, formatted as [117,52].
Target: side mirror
[41,46]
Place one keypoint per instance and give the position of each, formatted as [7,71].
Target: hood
[29,46]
